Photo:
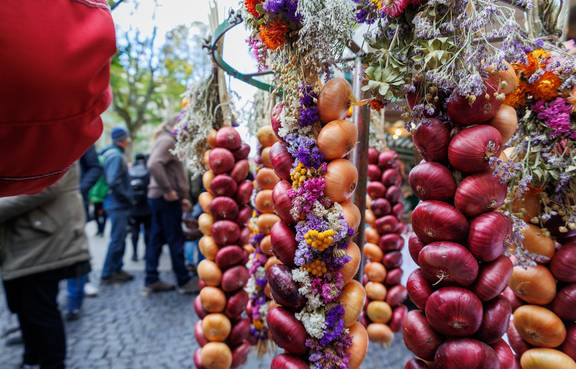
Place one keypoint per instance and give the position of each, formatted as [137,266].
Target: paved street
[122,329]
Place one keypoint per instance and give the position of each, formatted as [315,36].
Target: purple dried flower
[556,115]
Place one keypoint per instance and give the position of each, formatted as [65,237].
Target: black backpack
[139,180]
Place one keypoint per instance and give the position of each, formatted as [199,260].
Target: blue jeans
[193,255]
[166,228]
[113,262]
[76,293]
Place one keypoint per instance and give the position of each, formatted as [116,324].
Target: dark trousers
[34,300]
[137,222]
[100,217]
[115,254]
[166,228]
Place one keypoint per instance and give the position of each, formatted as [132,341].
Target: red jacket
[54,84]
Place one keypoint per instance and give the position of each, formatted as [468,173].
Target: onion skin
[396,295]
[564,304]
[478,194]
[266,179]
[380,333]
[534,284]
[229,256]
[373,252]
[284,289]
[419,337]
[236,304]
[419,289]
[391,242]
[198,308]
[465,353]
[516,342]
[393,194]
[539,326]
[376,190]
[199,334]
[432,181]
[275,119]
[235,278]
[334,100]
[284,243]
[438,221]
[196,359]
[224,208]
[287,361]
[244,192]
[415,246]
[537,242]
[392,260]
[242,152]
[374,173]
[487,235]
[388,159]
[431,140]
[223,185]
[381,207]
[448,262]
[351,214]
[229,138]
[394,277]
[512,299]
[282,201]
[239,333]
[386,224]
[359,347]
[225,232]
[470,149]
[390,177]
[495,321]
[493,278]
[286,331]
[543,358]
[244,216]
[373,154]
[463,113]
[505,121]
[350,269]
[506,356]
[281,160]
[240,355]
[397,317]
[216,327]
[376,291]
[216,355]
[220,161]
[337,138]
[341,180]
[416,364]
[563,264]
[569,345]
[352,300]
[454,311]
[240,170]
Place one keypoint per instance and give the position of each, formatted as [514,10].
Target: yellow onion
[337,139]
[341,180]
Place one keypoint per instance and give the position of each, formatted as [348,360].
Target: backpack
[100,189]
[139,180]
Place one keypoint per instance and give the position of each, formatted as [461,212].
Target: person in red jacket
[54,84]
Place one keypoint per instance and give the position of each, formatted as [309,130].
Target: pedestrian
[168,197]
[99,215]
[140,212]
[117,204]
[90,172]
[42,242]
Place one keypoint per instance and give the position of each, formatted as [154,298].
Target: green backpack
[100,189]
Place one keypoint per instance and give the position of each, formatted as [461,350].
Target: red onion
[398,315]
[234,278]
[286,331]
[373,156]
[516,342]
[223,185]
[431,140]
[236,304]
[493,278]
[398,209]
[196,358]
[244,216]
[514,301]
[240,332]
[281,160]
[569,345]
[471,148]
[391,242]
[564,304]
[393,277]
[284,244]
[390,177]
[438,221]
[563,264]
[495,321]
[229,256]
[484,107]
[198,308]
[487,235]
[287,361]
[242,152]
[454,311]
[376,190]
[283,288]
[374,173]
[419,289]
[448,262]
[465,353]
[419,337]
[505,355]
[386,224]
[387,159]
[225,232]
[432,181]
[282,201]
[393,194]
[554,224]
[416,364]
[396,295]
[240,170]
[245,236]
[478,194]
[228,138]
[380,207]
[223,207]
[220,160]
[415,246]
[276,118]
[240,355]
[244,192]
[199,334]
[392,260]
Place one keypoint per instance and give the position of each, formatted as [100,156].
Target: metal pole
[361,117]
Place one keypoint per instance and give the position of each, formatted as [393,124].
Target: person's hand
[186,205]
[171,196]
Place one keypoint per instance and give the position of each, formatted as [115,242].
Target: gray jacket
[120,195]
[45,231]
[167,172]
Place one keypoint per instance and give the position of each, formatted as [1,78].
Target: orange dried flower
[572,99]
[546,87]
[517,98]
[251,7]
[536,60]
[376,104]
[274,34]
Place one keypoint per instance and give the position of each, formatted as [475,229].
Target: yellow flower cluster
[299,175]
[258,324]
[316,268]
[319,240]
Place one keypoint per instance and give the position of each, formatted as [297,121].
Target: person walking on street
[140,212]
[42,241]
[168,196]
[117,204]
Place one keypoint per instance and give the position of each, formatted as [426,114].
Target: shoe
[25,366]
[122,276]
[73,316]
[190,288]
[90,290]
[159,286]
[134,258]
